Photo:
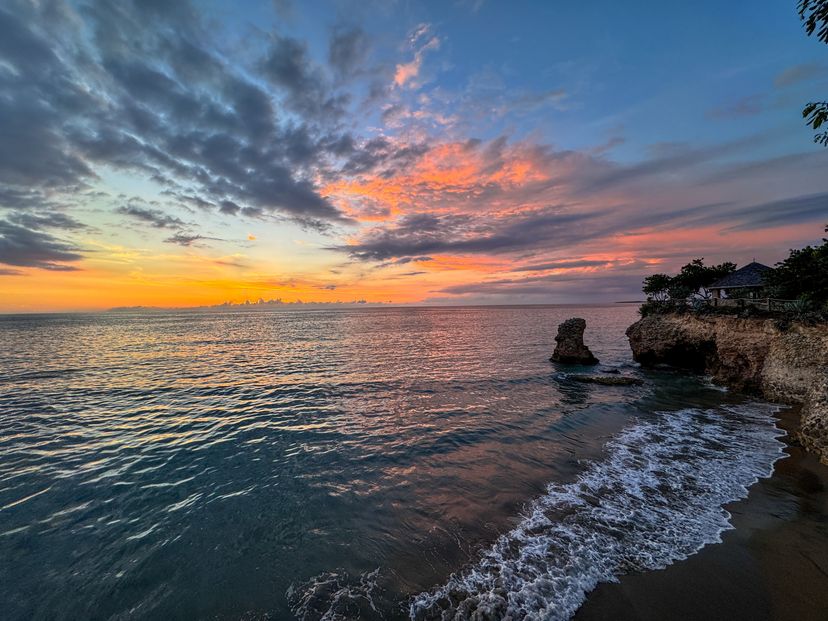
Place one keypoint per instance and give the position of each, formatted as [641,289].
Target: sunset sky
[451,152]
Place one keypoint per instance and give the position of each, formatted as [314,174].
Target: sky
[181,153]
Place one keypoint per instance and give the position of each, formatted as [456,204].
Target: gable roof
[751,275]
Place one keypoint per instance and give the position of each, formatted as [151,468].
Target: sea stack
[570,348]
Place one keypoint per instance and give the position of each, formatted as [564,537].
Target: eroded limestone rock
[570,348]
[781,363]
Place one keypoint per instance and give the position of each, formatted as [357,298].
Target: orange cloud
[451,176]
[407,73]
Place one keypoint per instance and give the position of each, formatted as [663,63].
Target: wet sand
[773,566]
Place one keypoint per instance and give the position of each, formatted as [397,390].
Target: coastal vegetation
[796,288]
[803,276]
[691,283]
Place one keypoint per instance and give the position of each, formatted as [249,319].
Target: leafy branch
[814,15]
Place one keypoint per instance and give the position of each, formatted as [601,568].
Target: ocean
[371,463]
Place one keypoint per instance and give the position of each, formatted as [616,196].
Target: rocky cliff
[788,364]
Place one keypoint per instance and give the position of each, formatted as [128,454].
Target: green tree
[695,278]
[814,15]
[803,275]
[657,287]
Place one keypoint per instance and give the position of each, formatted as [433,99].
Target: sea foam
[657,497]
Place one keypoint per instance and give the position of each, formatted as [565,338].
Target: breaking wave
[335,595]
[656,498]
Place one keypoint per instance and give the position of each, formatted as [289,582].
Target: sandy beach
[772,566]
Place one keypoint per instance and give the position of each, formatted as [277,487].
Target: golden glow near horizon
[443,156]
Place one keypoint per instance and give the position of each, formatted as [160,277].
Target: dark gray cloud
[24,247]
[403,261]
[669,159]
[425,233]
[185,239]
[25,198]
[794,210]
[559,265]
[33,148]
[153,217]
[46,220]
[740,217]
[348,50]
[305,87]
[603,287]
[144,87]
[383,156]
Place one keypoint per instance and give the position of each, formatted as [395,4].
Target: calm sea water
[368,463]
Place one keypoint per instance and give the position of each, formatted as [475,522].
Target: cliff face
[749,355]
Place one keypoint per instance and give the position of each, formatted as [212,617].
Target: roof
[751,275]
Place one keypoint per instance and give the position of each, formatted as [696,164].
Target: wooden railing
[768,304]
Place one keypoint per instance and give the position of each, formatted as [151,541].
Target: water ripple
[195,465]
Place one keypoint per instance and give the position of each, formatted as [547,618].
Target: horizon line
[302,306]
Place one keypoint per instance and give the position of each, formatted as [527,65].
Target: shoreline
[773,565]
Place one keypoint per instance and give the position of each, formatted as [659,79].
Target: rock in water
[570,348]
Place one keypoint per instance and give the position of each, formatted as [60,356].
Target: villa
[746,282]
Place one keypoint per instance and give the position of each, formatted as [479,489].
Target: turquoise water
[368,463]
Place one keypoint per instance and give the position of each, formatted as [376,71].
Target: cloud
[185,239]
[153,217]
[282,131]
[666,159]
[600,287]
[422,42]
[533,101]
[24,247]
[49,220]
[800,73]
[560,265]
[348,50]
[307,92]
[534,206]
[423,233]
[787,211]
[382,155]
[750,105]
[144,89]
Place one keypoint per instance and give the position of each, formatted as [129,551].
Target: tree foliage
[803,276]
[693,281]
[816,115]
[657,287]
[814,15]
